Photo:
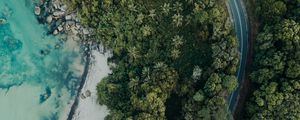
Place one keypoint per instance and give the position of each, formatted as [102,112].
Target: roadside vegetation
[173,59]
[276,69]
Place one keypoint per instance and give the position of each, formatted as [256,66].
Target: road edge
[245,90]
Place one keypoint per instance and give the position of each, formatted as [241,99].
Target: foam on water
[33,86]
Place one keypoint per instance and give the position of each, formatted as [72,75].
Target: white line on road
[240,21]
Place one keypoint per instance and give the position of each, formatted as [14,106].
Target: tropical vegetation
[276,69]
[173,59]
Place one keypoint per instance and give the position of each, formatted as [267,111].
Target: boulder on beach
[88,93]
[82,96]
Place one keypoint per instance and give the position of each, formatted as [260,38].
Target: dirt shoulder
[246,90]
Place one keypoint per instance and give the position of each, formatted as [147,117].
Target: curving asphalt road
[239,17]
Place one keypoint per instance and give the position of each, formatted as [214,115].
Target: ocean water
[34,86]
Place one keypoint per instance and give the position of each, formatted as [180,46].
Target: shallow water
[34,86]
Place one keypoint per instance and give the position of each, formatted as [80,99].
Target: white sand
[77,67]
[88,108]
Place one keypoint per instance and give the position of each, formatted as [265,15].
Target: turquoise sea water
[33,86]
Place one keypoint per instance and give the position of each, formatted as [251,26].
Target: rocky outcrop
[37,10]
[54,13]
[2,21]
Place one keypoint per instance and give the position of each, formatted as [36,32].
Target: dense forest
[276,69]
[173,59]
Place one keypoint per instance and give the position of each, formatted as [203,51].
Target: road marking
[242,43]
[242,37]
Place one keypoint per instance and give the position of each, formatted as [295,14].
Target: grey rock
[60,28]
[55,32]
[68,27]
[68,17]
[58,13]
[82,96]
[78,26]
[63,8]
[70,23]
[74,15]
[74,31]
[88,93]
[86,31]
[57,46]
[2,21]
[37,10]
[55,4]
[49,19]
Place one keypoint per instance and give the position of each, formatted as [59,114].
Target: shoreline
[82,83]
[53,13]
[88,107]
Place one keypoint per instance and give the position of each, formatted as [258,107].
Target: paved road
[241,27]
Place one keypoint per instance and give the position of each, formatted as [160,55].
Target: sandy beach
[88,107]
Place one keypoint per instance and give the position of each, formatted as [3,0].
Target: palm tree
[177,19]
[197,72]
[133,84]
[146,30]
[177,7]
[177,41]
[152,13]
[132,7]
[140,18]
[146,73]
[197,8]
[166,8]
[133,53]
[159,65]
[190,1]
[175,53]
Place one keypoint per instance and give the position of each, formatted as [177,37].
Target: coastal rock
[74,15]
[59,22]
[82,96]
[86,31]
[45,52]
[60,28]
[68,17]
[88,93]
[78,26]
[71,23]
[42,2]
[74,31]
[63,8]
[77,19]
[2,21]
[55,4]
[49,19]
[57,46]
[67,27]
[55,32]
[37,10]
[58,13]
